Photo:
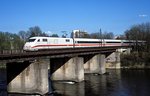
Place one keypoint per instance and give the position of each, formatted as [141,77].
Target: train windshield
[31,40]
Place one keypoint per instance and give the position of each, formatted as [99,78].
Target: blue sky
[55,16]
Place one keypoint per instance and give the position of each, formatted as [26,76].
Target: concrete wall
[94,64]
[67,69]
[113,60]
[33,79]
[102,64]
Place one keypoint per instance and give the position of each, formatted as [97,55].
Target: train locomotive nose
[27,47]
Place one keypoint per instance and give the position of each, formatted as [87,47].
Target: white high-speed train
[41,43]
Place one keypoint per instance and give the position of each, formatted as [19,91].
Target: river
[115,83]
[3,91]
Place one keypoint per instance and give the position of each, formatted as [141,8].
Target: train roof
[82,39]
[90,39]
[48,37]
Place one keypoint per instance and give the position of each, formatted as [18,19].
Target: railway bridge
[27,72]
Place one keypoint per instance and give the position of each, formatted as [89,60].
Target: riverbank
[135,60]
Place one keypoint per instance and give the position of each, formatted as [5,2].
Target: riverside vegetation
[136,60]
[140,57]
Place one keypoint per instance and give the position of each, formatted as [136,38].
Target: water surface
[3,91]
[116,83]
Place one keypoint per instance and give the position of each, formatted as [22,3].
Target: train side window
[44,40]
[38,40]
[67,40]
[31,40]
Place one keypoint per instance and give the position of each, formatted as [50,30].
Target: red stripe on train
[88,45]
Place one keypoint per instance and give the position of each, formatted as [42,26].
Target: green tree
[44,34]
[54,35]
[10,41]
[17,42]
[4,40]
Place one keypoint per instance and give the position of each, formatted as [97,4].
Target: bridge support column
[31,78]
[67,69]
[113,60]
[94,64]
[128,51]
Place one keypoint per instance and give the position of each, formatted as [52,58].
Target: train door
[38,44]
[56,45]
[103,42]
[55,41]
[68,43]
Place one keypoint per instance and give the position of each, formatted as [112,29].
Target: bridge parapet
[56,52]
[11,51]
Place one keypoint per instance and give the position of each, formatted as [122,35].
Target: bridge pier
[113,60]
[33,78]
[67,68]
[128,51]
[94,64]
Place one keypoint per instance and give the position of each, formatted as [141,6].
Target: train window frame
[44,40]
[89,42]
[112,42]
[38,40]
[67,40]
[31,40]
[76,41]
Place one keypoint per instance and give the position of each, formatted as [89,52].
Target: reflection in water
[3,91]
[66,89]
[136,83]
[102,85]
[116,83]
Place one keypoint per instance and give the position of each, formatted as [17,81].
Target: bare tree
[139,32]
[105,35]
